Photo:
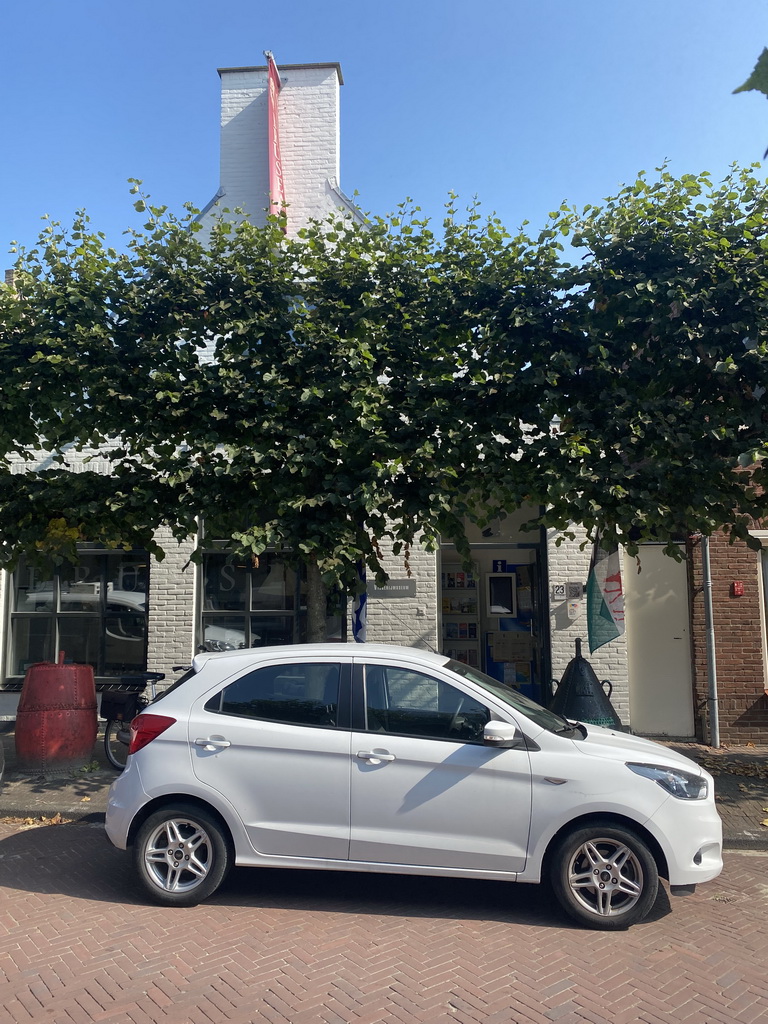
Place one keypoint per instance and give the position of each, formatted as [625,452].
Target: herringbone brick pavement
[78,945]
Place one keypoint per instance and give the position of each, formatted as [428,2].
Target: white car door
[425,790]
[275,743]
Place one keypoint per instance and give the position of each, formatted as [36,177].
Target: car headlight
[216,646]
[684,785]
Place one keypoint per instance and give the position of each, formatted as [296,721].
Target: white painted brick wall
[568,563]
[309,142]
[410,621]
[172,605]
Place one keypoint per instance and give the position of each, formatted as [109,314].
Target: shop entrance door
[493,618]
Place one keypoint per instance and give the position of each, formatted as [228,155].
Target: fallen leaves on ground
[718,766]
[56,819]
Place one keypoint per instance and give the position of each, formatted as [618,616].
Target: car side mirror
[502,734]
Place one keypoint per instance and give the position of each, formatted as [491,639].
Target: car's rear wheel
[604,876]
[182,855]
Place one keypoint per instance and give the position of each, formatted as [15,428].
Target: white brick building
[309,140]
[516,615]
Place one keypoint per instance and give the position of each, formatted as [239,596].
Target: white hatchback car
[366,757]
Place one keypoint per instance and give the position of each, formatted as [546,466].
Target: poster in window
[502,594]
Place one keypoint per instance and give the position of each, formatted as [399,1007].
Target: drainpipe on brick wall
[714,711]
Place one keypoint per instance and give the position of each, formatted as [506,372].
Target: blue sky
[523,103]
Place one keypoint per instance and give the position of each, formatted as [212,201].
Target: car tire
[182,855]
[604,876]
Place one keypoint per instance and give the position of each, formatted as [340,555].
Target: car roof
[323,650]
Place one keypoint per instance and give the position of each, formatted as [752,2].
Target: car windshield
[535,712]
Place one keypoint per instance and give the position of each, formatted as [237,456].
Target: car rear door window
[298,694]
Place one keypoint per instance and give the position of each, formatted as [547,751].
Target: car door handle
[212,743]
[375,756]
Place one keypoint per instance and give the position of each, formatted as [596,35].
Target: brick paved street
[77,945]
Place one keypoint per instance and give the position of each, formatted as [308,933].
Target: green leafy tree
[758,80]
[661,388]
[385,382]
[315,397]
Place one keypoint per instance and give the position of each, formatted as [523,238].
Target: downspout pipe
[714,710]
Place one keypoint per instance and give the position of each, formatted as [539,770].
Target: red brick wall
[741,669]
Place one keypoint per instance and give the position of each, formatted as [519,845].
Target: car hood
[621,746]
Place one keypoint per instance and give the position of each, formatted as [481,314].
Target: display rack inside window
[460,614]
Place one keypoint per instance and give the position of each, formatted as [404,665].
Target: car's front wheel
[604,876]
[182,855]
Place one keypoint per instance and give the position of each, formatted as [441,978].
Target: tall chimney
[308,114]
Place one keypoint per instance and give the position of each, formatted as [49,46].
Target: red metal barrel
[56,719]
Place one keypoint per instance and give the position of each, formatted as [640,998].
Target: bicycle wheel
[117,736]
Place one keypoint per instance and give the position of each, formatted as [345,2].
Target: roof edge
[288,67]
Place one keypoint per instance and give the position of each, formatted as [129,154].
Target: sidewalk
[75,795]
[741,788]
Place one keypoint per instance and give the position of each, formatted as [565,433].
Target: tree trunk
[317,602]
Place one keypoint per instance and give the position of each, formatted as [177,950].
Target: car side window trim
[358,697]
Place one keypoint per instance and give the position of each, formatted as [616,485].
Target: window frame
[56,615]
[209,616]
[204,617]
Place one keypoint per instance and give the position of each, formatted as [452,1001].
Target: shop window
[244,605]
[95,611]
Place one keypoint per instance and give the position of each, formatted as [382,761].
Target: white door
[658,645]
[424,788]
[270,744]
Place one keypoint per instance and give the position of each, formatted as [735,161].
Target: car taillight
[145,728]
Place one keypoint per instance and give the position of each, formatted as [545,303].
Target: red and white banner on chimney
[276,185]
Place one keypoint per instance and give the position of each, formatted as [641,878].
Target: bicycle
[119,707]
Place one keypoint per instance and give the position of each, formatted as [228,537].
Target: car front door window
[403,702]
